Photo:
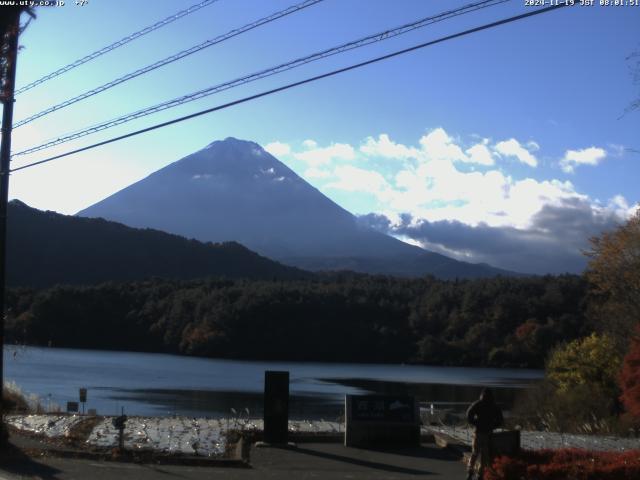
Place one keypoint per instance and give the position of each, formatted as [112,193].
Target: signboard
[381,420]
[83,395]
[72,407]
[383,408]
[276,407]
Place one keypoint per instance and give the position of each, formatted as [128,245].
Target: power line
[298,83]
[119,43]
[173,58]
[377,37]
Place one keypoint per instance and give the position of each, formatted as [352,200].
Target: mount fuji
[234,190]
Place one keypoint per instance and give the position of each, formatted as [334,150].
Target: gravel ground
[540,440]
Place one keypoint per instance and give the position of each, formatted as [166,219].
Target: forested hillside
[500,322]
[45,248]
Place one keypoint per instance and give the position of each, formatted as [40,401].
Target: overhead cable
[119,43]
[165,61]
[297,84]
[377,37]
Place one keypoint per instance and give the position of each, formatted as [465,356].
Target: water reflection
[208,403]
[158,384]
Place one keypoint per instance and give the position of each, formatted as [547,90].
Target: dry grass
[17,401]
[14,399]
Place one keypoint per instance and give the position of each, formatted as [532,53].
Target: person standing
[485,416]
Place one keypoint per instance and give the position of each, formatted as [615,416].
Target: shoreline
[204,437]
[8,346]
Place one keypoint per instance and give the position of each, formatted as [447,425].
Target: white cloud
[480,154]
[438,145]
[354,179]
[309,143]
[513,148]
[278,148]
[387,148]
[621,207]
[316,173]
[437,191]
[427,182]
[533,146]
[323,156]
[586,156]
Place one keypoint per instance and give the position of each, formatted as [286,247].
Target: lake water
[158,384]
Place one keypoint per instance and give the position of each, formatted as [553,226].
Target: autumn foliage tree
[584,374]
[614,275]
[591,361]
[630,378]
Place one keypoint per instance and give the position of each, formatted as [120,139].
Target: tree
[7,20]
[630,378]
[592,361]
[614,275]
[582,383]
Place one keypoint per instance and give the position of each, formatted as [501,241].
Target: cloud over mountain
[553,243]
[481,200]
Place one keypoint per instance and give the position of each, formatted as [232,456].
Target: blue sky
[516,136]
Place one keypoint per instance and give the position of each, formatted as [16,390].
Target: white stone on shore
[51,426]
[170,435]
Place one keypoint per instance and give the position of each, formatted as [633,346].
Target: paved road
[309,461]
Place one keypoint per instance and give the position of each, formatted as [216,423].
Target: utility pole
[9,44]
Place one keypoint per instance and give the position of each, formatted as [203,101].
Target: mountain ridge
[46,248]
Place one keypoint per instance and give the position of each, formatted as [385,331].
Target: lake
[159,384]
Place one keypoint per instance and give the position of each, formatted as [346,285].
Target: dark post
[83,398]
[276,407]
[8,87]
[119,424]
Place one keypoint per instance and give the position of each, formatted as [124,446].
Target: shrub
[580,409]
[580,392]
[566,464]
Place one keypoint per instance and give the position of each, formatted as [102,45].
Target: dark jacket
[485,415]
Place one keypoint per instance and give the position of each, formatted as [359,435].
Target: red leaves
[566,464]
[630,378]
[526,330]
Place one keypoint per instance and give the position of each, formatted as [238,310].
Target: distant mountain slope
[45,248]
[235,190]
[425,263]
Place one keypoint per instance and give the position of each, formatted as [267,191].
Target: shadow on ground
[16,462]
[413,461]
[363,463]
[425,452]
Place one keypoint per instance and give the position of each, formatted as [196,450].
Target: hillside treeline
[354,318]
[47,248]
